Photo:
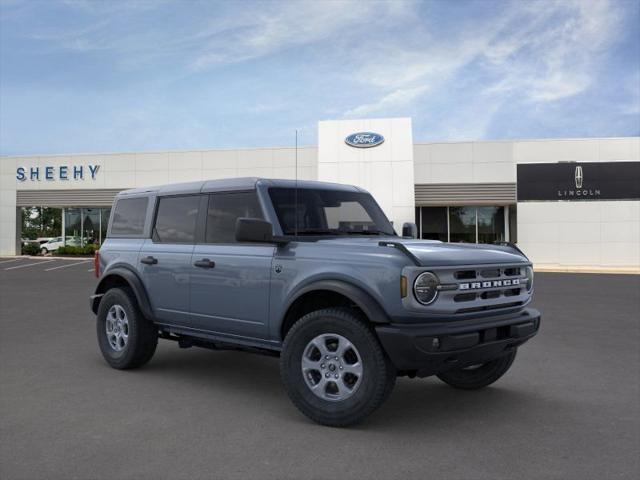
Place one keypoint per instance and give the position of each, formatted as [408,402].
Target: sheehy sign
[59,172]
[575,181]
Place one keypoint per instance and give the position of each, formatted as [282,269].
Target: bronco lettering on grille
[489,284]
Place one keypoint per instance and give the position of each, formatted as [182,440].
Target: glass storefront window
[465,224]
[462,224]
[490,224]
[72,226]
[84,226]
[41,222]
[434,223]
[90,226]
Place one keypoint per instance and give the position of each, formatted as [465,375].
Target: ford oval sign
[364,139]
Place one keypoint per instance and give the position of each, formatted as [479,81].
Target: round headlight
[529,274]
[425,288]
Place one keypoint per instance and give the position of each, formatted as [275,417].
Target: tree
[41,222]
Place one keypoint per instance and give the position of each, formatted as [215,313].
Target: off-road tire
[142,333]
[479,377]
[378,377]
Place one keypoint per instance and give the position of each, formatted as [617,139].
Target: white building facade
[568,203]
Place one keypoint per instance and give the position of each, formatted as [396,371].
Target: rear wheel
[334,368]
[478,376]
[126,338]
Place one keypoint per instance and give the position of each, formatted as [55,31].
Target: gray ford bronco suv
[312,272]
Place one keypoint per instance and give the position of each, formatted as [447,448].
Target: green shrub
[31,249]
[69,250]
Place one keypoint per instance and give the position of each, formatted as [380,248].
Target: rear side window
[176,219]
[224,210]
[129,215]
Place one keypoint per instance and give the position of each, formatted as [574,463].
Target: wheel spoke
[354,369]
[308,364]
[320,386]
[320,344]
[343,346]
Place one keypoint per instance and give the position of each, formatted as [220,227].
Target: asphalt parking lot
[569,408]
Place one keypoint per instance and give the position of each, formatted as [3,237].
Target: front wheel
[44,251]
[478,376]
[334,368]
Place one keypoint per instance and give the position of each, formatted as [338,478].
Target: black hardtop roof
[231,184]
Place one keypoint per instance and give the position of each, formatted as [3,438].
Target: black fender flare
[363,300]
[133,281]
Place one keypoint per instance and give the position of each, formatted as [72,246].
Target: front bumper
[427,349]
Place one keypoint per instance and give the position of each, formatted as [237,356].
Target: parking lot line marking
[90,270]
[65,266]
[30,264]
[9,261]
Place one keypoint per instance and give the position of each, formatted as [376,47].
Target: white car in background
[52,245]
[57,242]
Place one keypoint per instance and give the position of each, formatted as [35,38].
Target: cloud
[538,51]
[554,55]
[287,25]
[396,99]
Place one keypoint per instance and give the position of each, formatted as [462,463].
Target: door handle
[149,260]
[204,263]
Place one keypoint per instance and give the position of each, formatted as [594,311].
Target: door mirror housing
[409,230]
[254,230]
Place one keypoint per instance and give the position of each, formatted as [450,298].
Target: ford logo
[364,139]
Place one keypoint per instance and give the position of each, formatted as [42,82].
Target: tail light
[96,263]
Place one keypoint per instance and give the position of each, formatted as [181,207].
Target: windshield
[328,212]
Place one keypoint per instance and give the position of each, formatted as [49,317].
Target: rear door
[230,281]
[165,258]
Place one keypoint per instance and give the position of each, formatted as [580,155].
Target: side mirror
[254,230]
[257,230]
[409,230]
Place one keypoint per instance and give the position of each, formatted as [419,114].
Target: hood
[438,253]
[435,253]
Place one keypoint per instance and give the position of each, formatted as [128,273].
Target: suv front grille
[470,289]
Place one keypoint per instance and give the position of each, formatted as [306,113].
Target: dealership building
[568,203]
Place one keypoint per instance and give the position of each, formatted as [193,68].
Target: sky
[85,76]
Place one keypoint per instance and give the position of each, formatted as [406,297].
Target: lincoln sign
[576,181]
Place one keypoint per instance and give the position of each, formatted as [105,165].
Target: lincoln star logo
[364,139]
[489,284]
[580,190]
[579,177]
